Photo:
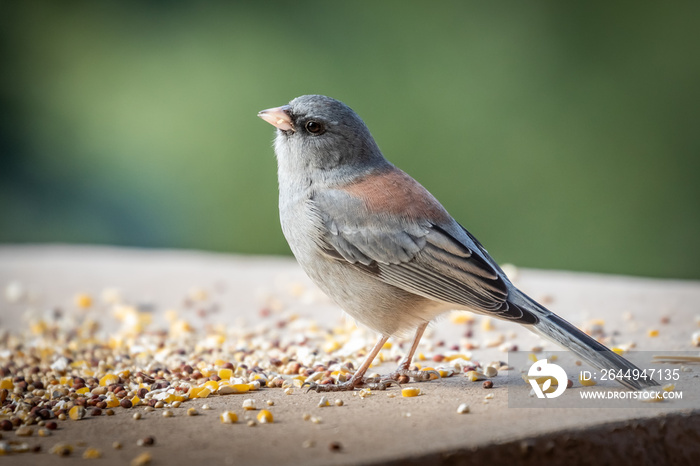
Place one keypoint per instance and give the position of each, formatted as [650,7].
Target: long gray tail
[558,330]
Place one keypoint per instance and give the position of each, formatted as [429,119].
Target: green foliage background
[562,134]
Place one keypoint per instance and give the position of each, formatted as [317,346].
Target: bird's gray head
[318,134]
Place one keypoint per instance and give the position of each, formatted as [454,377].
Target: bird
[385,250]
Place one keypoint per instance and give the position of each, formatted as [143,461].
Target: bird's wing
[411,252]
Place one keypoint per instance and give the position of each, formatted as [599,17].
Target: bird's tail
[558,330]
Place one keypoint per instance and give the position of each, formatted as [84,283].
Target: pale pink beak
[278,117]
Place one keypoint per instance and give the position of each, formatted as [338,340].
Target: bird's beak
[278,117]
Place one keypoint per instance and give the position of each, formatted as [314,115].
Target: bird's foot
[403,375]
[372,383]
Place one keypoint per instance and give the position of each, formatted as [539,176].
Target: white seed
[463,408]
[167,413]
[339,402]
[136,416]
[249,404]
[490,371]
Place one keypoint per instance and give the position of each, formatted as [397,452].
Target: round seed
[167,413]
[488,384]
[136,416]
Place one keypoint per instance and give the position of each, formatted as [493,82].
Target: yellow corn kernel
[83,301]
[228,417]
[171,398]
[585,382]
[487,324]
[219,362]
[446,372]
[82,391]
[199,392]
[331,346]
[617,350]
[432,376]
[142,460]
[409,392]
[135,401]
[460,317]
[76,413]
[112,402]
[669,387]
[7,383]
[109,379]
[225,374]
[68,381]
[265,417]
[452,357]
[125,374]
[240,387]
[421,357]
[532,357]
[653,333]
[387,345]
[212,385]
[91,453]
[474,376]
[249,404]
[252,386]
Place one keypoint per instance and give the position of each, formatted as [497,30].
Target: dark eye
[314,127]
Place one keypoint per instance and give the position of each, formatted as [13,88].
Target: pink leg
[403,369]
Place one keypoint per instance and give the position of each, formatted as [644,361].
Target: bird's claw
[418,376]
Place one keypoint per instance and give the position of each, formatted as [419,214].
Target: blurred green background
[562,134]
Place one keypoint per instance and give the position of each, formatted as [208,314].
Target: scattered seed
[339,402]
[109,412]
[136,416]
[463,408]
[168,413]
[92,453]
[126,403]
[488,384]
[205,407]
[265,417]
[192,412]
[62,449]
[306,416]
[116,445]
[142,460]
[146,441]
[410,392]
[249,404]
[228,417]
[251,423]
[24,431]
[335,446]
[288,391]
[77,412]
[270,403]
[44,432]
[308,444]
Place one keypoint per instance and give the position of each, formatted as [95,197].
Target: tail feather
[558,330]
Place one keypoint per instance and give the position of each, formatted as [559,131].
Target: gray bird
[383,248]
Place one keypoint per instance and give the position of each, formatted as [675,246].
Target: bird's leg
[403,369]
[358,379]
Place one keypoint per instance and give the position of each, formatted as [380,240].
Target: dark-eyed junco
[383,248]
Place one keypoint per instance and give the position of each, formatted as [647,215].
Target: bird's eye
[314,127]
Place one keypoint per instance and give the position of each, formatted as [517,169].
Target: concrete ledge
[377,429]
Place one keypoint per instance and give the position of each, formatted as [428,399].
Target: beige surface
[375,429]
